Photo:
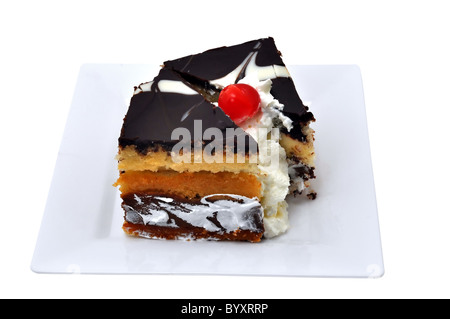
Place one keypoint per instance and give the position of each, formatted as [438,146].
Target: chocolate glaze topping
[217,63]
[153,115]
[214,63]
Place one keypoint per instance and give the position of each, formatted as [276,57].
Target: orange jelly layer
[189,185]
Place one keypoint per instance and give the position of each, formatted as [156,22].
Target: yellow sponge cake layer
[130,159]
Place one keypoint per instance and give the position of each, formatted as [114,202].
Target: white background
[402,48]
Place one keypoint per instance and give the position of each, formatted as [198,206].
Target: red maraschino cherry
[239,101]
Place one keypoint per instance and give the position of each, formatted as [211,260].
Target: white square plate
[336,235]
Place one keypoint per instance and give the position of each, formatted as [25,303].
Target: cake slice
[166,198]
[199,159]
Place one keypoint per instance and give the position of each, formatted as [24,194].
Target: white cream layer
[232,214]
[166,86]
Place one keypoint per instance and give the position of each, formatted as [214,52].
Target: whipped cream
[272,163]
[271,108]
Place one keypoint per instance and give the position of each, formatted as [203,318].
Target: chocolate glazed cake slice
[215,69]
[194,199]
[245,88]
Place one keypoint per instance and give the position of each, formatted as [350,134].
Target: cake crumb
[312,195]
